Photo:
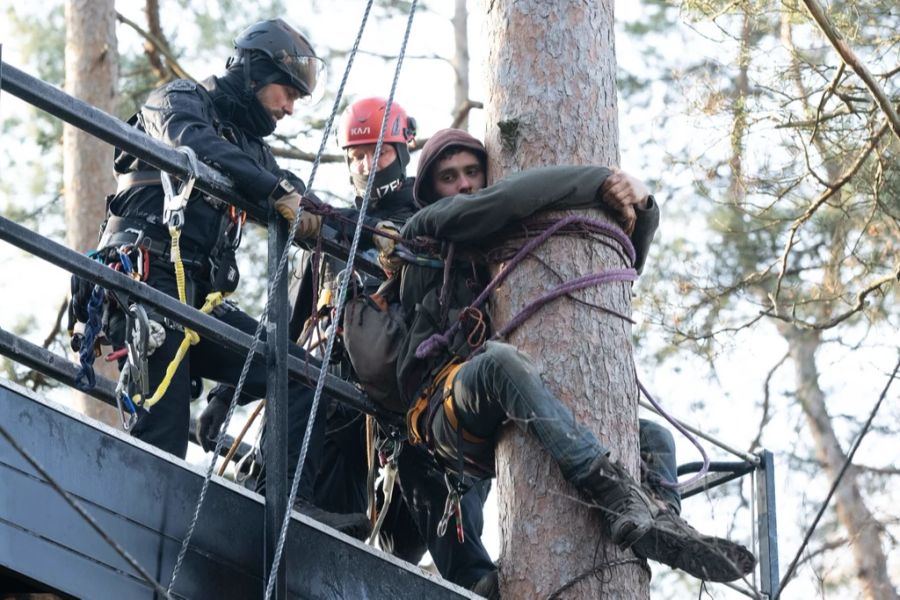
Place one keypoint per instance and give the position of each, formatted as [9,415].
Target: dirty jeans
[502,384]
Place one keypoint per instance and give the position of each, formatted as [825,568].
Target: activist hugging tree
[551,99]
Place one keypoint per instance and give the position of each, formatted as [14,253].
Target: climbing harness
[173,217]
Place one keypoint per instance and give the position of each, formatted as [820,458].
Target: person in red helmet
[340,488]
[358,135]
[411,525]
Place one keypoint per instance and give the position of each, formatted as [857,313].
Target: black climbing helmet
[289,51]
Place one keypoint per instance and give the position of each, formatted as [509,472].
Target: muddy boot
[355,525]
[488,586]
[627,509]
[673,542]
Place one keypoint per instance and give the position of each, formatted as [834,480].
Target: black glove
[210,420]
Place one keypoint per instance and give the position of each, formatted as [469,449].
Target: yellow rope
[175,232]
[190,336]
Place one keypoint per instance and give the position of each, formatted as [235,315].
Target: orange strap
[414,415]
[450,411]
[447,376]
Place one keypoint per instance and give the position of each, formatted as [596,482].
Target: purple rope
[434,343]
[431,345]
[568,287]
[705,469]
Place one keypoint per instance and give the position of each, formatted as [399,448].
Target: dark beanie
[432,150]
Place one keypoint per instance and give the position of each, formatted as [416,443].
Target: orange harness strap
[446,376]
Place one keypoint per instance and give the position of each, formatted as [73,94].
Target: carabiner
[121,392]
[137,334]
[173,207]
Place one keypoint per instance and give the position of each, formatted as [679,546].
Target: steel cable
[262,319]
[339,305]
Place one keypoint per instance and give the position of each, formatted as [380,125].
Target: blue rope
[85,379]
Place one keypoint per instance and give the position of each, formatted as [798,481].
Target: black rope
[790,571]
[596,570]
[76,506]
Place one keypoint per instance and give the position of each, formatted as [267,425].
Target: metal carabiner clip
[137,335]
[449,512]
[122,392]
[173,207]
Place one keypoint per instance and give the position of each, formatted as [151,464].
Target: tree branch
[857,307]
[824,197]
[159,45]
[846,53]
[463,111]
[296,154]
[756,443]
[57,326]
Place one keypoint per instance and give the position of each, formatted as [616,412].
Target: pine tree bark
[91,73]
[460,62]
[552,100]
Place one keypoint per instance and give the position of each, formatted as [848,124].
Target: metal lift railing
[280,363]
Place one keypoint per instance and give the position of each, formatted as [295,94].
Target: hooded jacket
[473,221]
[440,141]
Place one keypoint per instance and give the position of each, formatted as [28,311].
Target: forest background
[767,313]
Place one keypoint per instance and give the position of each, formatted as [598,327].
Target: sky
[852,379]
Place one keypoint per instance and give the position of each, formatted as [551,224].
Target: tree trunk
[91,72]
[552,100]
[460,62]
[863,529]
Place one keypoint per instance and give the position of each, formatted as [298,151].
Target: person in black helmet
[223,120]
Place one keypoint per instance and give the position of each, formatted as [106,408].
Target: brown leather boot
[627,509]
[671,541]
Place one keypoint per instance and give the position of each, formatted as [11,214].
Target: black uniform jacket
[396,207]
[202,117]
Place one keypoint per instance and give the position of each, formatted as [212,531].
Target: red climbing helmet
[361,124]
